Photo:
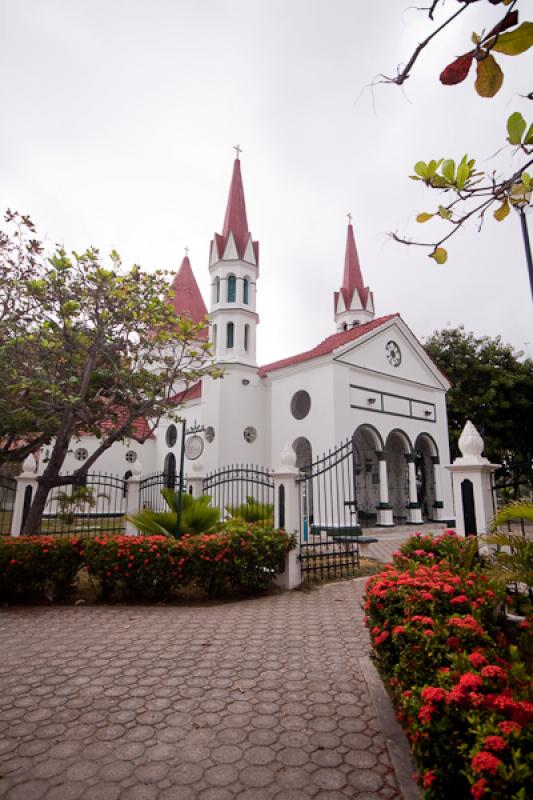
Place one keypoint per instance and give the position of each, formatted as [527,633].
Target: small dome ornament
[471,446]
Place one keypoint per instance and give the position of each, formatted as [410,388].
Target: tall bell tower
[234,269]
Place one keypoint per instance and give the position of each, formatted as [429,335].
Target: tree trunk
[48,479]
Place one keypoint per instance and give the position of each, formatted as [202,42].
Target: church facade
[370,381]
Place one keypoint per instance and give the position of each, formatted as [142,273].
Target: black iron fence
[510,483]
[244,490]
[95,506]
[150,490]
[8,490]
[330,530]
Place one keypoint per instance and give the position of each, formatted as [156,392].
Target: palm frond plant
[511,563]
[252,511]
[197,516]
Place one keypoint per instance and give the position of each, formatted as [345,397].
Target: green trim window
[215,336]
[230,331]
[246,337]
[232,289]
[217,290]
[245,284]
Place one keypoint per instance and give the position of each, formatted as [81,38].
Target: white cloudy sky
[119,116]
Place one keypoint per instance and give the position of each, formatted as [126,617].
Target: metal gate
[330,528]
[244,491]
[513,481]
[8,490]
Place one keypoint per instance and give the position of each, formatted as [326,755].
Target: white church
[370,382]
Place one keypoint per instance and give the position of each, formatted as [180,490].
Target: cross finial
[349,218]
[186,251]
[238,150]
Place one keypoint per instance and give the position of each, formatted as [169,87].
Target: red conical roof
[235,220]
[187,296]
[353,278]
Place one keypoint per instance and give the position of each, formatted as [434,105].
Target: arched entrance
[367,443]
[397,447]
[426,456]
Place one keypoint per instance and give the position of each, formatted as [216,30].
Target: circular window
[81,454]
[300,404]
[250,434]
[209,434]
[131,456]
[172,435]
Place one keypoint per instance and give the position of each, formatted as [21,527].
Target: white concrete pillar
[26,481]
[415,512]
[384,508]
[438,505]
[472,485]
[133,497]
[287,515]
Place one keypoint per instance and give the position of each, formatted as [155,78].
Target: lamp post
[184,432]
[527,246]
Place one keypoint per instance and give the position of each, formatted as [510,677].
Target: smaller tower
[234,269]
[353,303]
[187,299]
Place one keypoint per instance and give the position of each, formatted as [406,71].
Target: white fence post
[133,498]
[472,484]
[287,515]
[27,478]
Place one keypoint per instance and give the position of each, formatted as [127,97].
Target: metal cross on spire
[238,150]
[349,218]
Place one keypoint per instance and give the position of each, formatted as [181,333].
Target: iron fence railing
[8,491]
[96,505]
[242,490]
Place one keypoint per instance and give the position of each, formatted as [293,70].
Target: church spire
[354,302]
[235,242]
[187,298]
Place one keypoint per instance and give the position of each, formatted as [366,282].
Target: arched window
[246,336]
[232,289]
[217,290]
[245,284]
[229,335]
[169,471]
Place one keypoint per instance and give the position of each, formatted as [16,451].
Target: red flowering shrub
[238,557]
[462,690]
[35,568]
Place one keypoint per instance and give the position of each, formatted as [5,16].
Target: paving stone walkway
[271,698]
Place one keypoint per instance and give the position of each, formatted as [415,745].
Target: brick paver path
[258,699]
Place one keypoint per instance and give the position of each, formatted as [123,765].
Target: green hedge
[239,557]
[460,685]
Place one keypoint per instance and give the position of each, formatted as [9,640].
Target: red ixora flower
[508,727]
[478,789]
[429,779]
[477,660]
[494,743]
[492,671]
[433,693]
[485,762]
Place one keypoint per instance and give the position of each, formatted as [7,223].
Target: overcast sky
[119,117]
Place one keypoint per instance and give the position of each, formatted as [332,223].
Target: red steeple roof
[235,220]
[187,297]
[352,278]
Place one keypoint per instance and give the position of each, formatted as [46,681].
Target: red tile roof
[187,296]
[191,393]
[140,427]
[328,345]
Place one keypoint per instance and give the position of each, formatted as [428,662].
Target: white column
[472,485]
[287,515]
[415,513]
[384,508]
[133,497]
[438,505]
[27,478]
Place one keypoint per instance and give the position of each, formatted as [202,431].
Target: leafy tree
[85,347]
[467,191]
[492,386]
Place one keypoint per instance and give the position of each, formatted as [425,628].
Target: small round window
[250,434]
[300,404]
[172,435]
[209,434]
[131,456]
[81,454]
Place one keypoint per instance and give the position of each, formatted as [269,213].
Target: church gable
[394,351]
